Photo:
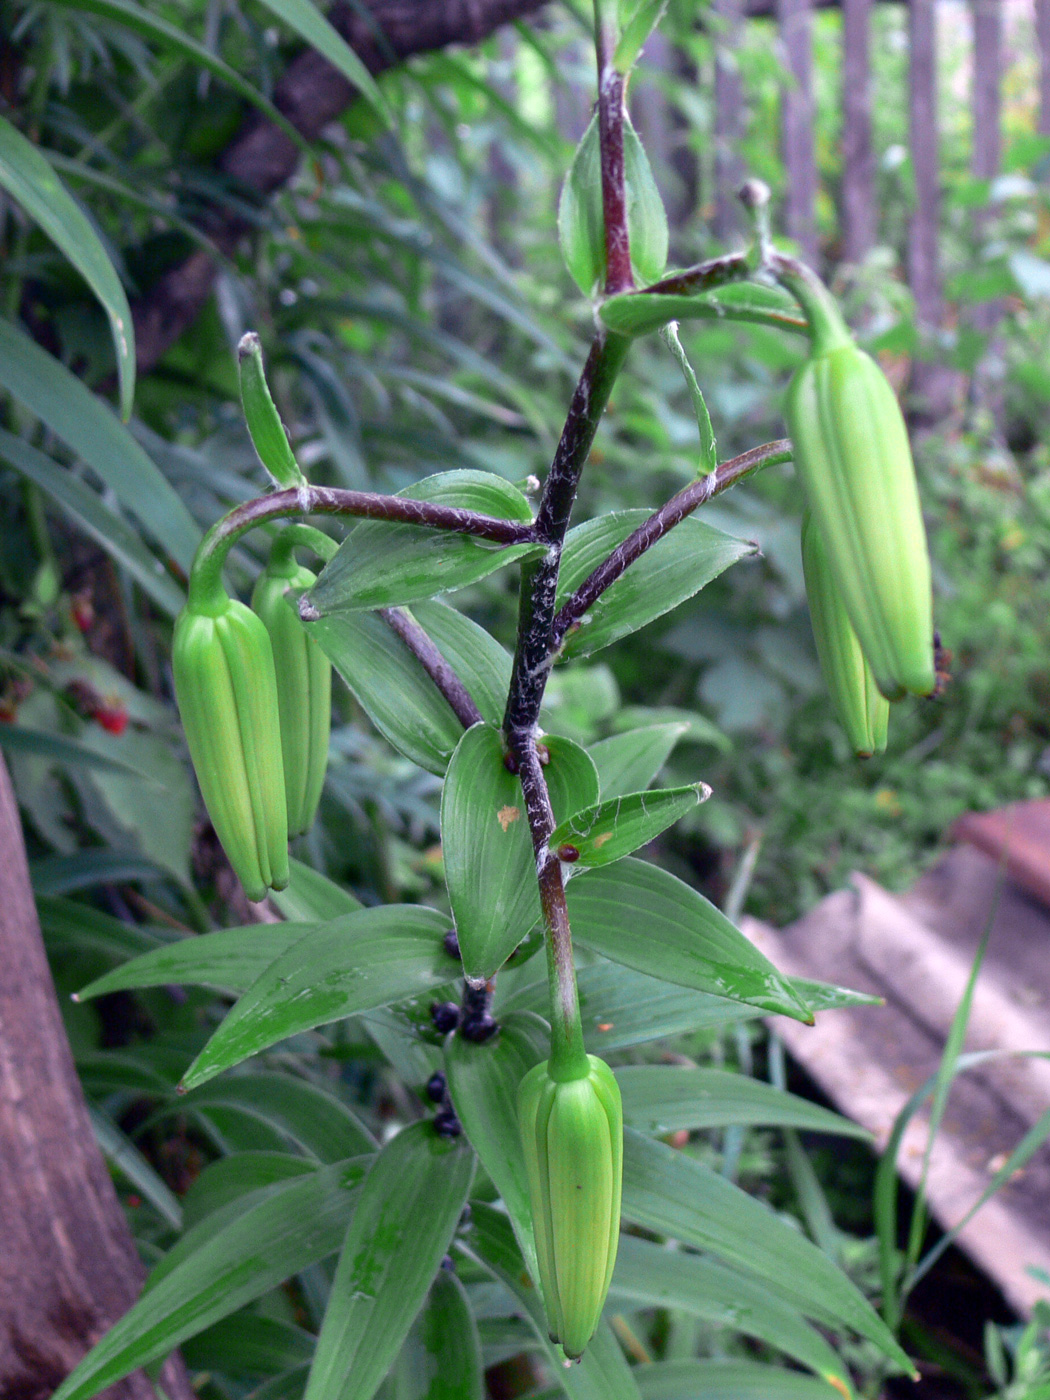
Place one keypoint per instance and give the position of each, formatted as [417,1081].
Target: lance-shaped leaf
[601,1373]
[255,1247]
[403,1224]
[70,409]
[28,177]
[672,570]
[366,959]
[476,657]
[391,686]
[629,762]
[661,1099]
[230,959]
[490,868]
[441,1358]
[268,434]
[483,1081]
[311,25]
[638,313]
[677,1195]
[727,1380]
[610,830]
[655,1276]
[648,919]
[241,1174]
[311,898]
[382,564]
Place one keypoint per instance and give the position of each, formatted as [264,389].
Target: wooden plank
[797,125]
[1017,835]
[859,213]
[1042,34]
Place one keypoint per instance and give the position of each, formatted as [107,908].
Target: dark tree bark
[797,125]
[1042,34]
[310,94]
[859,214]
[68,1264]
[729,117]
[929,382]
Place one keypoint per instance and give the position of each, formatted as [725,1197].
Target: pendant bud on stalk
[304,682]
[572,1137]
[227,696]
[864,713]
[852,453]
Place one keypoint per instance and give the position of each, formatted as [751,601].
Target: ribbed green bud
[852,453]
[572,1138]
[227,694]
[304,684]
[864,713]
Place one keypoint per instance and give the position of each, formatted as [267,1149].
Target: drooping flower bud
[852,452]
[864,713]
[227,695]
[572,1139]
[304,684]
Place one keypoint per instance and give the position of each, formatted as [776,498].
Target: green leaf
[483,1081]
[661,1099]
[312,26]
[677,1195]
[441,1358]
[638,313]
[80,871]
[130,1162]
[490,868]
[391,686]
[629,762]
[363,960]
[72,925]
[291,1227]
[404,1222]
[98,522]
[635,32]
[648,919]
[581,220]
[311,898]
[268,434]
[69,409]
[620,1007]
[381,564]
[677,566]
[249,1345]
[727,1380]
[59,748]
[231,1178]
[152,27]
[311,1117]
[28,177]
[230,959]
[601,1373]
[476,657]
[613,829]
[656,1276]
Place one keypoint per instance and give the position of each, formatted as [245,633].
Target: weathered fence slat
[729,116]
[859,215]
[796,33]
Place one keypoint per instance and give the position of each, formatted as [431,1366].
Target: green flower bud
[572,1138]
[864,713]
[227,695]
[304,684]
[852,453]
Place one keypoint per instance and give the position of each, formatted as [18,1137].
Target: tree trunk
[68,1265]
[859,215]
[729,117]
[797,125]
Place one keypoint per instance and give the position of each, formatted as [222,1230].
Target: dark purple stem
[705,276]
[658,524]
[435,665]
[611,113]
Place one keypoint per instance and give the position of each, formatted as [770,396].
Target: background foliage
[417,317]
